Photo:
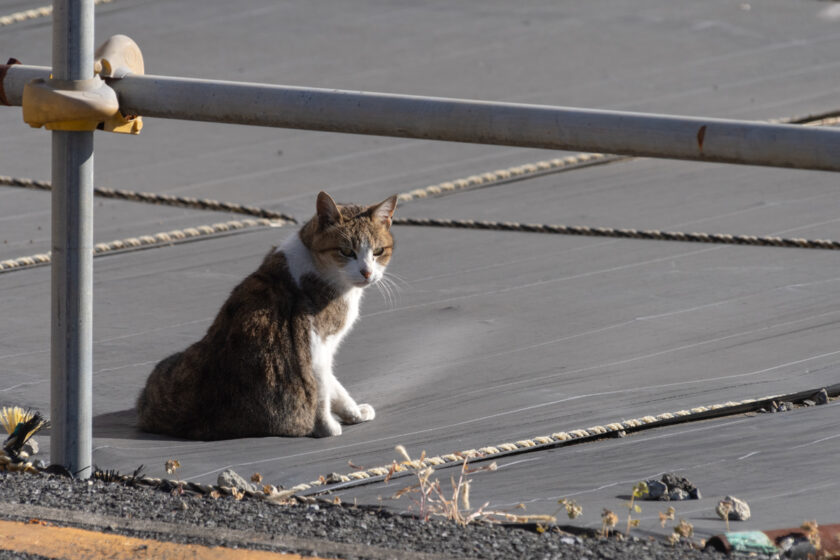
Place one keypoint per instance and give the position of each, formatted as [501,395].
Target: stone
[231,479]
[657,490]
[674,481]
[671,487]
[809,402]
[739,510]
[333,478]
[821,397]
[677,495]
[31,446]
[781,406]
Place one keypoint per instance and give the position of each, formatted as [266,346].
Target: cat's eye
[347,253]
[378,252]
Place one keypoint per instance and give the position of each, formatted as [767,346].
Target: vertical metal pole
[72,252]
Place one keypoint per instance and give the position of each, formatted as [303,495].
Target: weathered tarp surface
[494,336]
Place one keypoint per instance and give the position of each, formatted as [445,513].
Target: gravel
[322,521]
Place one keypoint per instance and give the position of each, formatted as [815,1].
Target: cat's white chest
[322,348]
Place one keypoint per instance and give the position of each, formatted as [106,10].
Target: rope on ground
[335,481]
[511,174]
[721,238]
[35,13]
[160,199]
[166,238]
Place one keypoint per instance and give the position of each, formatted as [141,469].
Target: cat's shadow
[122,424]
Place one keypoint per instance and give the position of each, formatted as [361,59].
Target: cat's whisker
[394,283]
[383,290]
[398,279]
[389,289]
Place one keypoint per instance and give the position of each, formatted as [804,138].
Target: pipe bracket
[86,105]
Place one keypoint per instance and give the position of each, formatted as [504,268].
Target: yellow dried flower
[172,465]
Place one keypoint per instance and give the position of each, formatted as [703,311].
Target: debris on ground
[320,521]
[733,509]
[671,487]
[21,424]
[231,479]
[810,541]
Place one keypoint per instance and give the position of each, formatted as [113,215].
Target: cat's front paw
[326,428]
[366,413]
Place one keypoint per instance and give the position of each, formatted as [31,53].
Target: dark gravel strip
[321,522]
[12,555]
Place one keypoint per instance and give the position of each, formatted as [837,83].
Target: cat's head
[351,245]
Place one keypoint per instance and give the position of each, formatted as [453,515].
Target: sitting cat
[265,366]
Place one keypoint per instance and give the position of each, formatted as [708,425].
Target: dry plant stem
[724,508]
[639,490]
[433,500]
[608,521]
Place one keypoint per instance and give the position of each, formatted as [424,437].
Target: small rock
[674,481]
[739,510]
[808,402]
[333,478]
[31,446]
[821,397]
[677,494]
[657,490]
[671,487]
[802,550]
[39,464]
[231,479]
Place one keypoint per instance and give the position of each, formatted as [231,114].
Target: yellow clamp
[86,105]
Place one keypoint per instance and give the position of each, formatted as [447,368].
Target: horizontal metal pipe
[481,122]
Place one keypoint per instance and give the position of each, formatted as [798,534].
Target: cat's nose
[366,273]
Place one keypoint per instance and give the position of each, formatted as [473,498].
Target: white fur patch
[298,258]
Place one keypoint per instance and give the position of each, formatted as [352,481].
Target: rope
[160,199]
[511,174]
[162,239]
[35,13]
[723,238]
[336,482]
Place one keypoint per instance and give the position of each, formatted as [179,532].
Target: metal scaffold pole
[72,251]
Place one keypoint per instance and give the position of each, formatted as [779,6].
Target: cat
[265,365]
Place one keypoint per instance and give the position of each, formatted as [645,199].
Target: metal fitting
[86,105]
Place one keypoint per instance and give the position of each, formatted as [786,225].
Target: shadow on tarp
[122,424]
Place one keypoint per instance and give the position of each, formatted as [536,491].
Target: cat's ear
[327,210]
[383,212]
